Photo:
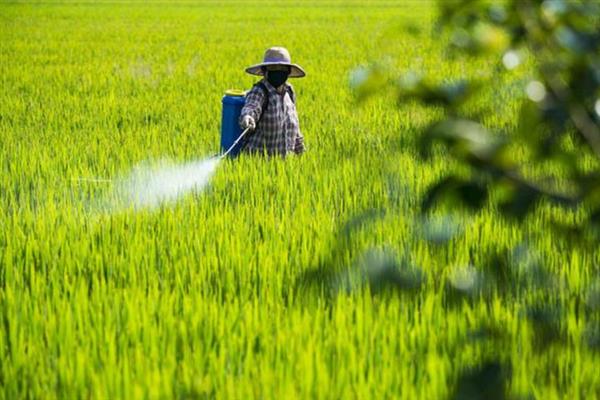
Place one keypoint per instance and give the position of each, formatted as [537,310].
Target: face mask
[277,78]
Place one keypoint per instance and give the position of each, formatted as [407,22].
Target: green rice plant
[253,288]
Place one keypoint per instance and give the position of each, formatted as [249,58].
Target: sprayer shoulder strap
[263,87]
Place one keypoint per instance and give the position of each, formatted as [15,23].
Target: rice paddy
[270,282]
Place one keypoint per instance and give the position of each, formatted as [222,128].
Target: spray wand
[235,143]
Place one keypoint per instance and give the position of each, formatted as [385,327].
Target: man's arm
[253,107]
[299,144]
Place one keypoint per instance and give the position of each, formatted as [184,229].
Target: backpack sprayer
[231,133]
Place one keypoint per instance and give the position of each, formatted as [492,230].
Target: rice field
[255,287]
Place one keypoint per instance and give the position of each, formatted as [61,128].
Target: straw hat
[277,56]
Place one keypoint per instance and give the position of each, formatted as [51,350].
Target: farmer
[270,109]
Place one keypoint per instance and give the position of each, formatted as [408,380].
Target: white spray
[151,186]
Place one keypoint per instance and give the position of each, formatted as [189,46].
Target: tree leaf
[471,194]
[520,202]
[488,381]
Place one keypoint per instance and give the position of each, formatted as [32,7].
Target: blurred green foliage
[558,125]
[561,104]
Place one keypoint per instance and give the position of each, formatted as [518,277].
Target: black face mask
[277,78]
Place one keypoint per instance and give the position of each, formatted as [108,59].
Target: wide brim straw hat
[277,56]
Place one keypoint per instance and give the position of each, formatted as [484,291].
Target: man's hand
[248,122]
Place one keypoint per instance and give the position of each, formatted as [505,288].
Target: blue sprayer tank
[233,101]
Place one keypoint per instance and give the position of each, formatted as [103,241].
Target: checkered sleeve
[299,144]
[253,105]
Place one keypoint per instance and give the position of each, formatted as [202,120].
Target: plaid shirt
[278,130]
